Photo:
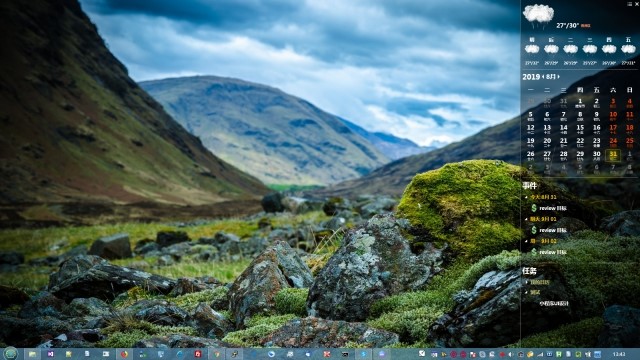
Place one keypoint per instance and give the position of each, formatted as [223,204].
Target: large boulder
[313,332]
[374,261]
[474,206]
[91,276]
[497,311]
[253,292]
[112,247]
[272,203]
[621,327]
[626,223]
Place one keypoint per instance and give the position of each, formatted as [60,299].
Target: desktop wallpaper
[318,174]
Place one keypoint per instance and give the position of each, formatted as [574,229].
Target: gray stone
[230,250]
[254,291]
[253,246]
[626,223]
[209,322]
[88,307]
[90,276]
[496,312]
[42,304]
[336,223]
[112,247]
[165,260]
[377,205]
[313,332]
[146,246]
[621,327]
[57,260]
[373,262]
[298,205]
[168,238]
[166,314]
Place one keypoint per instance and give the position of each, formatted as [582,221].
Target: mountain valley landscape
[176,213]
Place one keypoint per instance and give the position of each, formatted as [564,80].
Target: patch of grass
[288,219]
[292,187]
[191,301]
[292,301]
[583,334]
[26,279]
[35,243]
[124,330]
[132,296]
[257,328]
[225,271]
[123,339]
[324,250]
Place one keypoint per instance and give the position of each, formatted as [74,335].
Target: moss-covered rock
[474,206]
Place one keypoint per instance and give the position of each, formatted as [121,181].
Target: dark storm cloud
[220,13]
[471,14]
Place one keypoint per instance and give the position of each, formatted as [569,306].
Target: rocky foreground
[435,271]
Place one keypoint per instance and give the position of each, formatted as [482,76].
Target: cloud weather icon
[538,13]
[608,49]
[570,49]
[532,49]
[551,49]
[590,49]
[628,49]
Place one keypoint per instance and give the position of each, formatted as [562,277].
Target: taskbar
[12,353]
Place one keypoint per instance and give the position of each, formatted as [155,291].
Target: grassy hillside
[75,127]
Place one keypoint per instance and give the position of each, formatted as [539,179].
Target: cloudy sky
[430,71]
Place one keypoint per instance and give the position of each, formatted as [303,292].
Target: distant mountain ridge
[75,127]
[501,142]
[277,137]
[392,146]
